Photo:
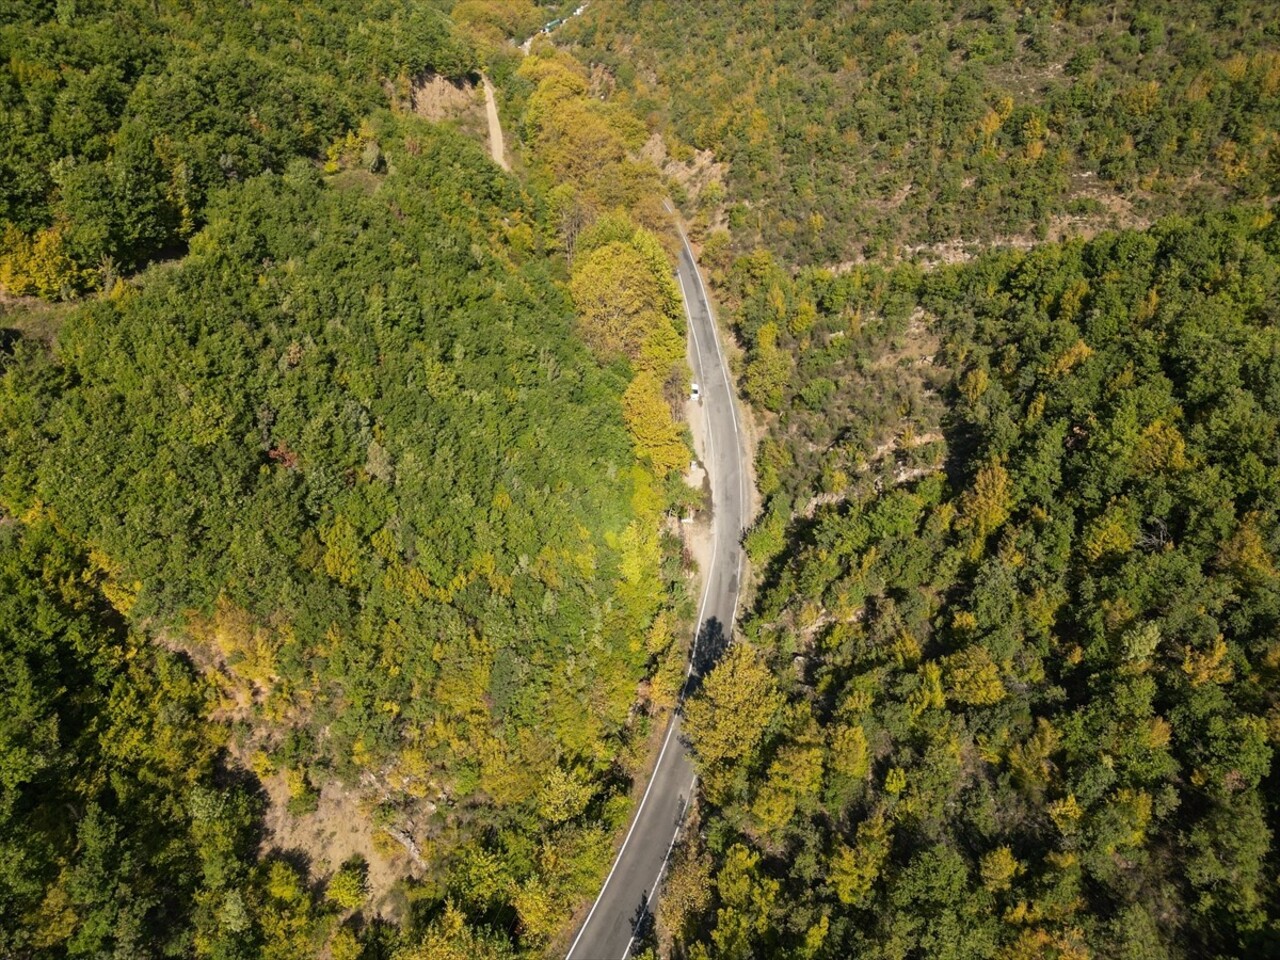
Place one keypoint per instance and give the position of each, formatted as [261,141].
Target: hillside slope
[856,129]
[1010,664]
[331,476]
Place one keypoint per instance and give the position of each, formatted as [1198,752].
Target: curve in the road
[624,903]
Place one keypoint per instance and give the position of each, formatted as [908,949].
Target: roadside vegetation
[1018,697]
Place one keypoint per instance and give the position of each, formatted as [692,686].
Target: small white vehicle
[695,393]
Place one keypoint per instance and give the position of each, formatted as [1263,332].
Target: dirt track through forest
[496,147]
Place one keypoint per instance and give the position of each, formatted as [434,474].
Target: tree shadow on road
[710,647]
[642,926]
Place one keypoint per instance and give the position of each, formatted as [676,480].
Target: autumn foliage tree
[617,296]
[648,416]
[730,716]
[628,307]
[584,147]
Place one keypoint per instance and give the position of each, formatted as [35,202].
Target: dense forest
[342,476]
[1023,703]
[120,119]
[338,473]
[112,817]
[865,129]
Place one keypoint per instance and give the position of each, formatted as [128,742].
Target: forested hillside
[1026,704]
[121,118]
[857,129]
[338,468]
[338,493]
[115,832]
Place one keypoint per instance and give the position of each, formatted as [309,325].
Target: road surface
[622,911]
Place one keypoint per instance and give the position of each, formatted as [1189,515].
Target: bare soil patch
[435,97]
[340,828]
[695,174]
[32,317]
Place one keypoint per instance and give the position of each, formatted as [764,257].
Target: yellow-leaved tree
[768,370]
[648,417]
[39,265]
[998,868]
[855,869]
[450,938]
[747,898]
[730,715]
[986,505]
[618,300]
[795,778]
[973,677]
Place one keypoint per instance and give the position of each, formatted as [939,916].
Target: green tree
[729,717]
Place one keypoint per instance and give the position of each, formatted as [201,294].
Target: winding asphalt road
[622,911]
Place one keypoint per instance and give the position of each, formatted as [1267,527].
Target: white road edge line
[711,458]
[728,384]
[715,543]
[724,370]
[733,407]
[706,592]
[663,868]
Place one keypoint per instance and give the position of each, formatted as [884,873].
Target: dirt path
[496,147]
